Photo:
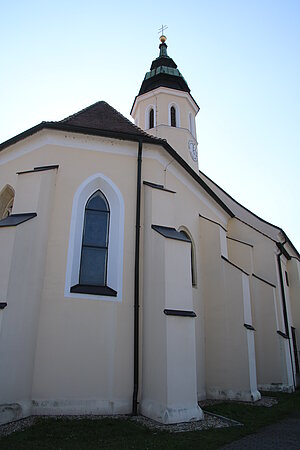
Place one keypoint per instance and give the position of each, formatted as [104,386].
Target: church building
[129,281]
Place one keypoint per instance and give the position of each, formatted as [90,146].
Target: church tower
[165,108]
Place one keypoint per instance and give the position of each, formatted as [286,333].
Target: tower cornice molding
[164,90]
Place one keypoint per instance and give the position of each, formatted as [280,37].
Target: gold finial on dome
[162,37]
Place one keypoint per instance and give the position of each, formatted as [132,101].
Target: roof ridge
[81,111]
[135,128]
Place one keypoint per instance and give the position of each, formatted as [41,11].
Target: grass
[85,434]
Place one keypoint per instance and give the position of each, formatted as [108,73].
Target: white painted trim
[116,236]
[177,110]
[192,127]
[26,145]
[67,140]
[147,118]
[165,90]
[223,242]
[105,145]
[194,256]
[249,333]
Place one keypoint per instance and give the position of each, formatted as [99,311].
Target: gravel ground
[264,401]
[210,420]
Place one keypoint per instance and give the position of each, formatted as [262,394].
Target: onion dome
[163,73]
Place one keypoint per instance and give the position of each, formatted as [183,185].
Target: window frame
[147,116]
[151,118]
[112,291]
[173,116]
[7,196]
[193,256]
[177,115]
[85,245]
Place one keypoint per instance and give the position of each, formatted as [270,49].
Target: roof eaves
[22,135]
[257,217]
[239,204]
[59,126]
[288,241]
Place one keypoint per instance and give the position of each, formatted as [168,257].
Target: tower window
[173,116]
[151,118]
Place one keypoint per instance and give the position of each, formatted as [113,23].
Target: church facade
[129,281]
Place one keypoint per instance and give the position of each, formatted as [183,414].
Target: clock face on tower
[193,150]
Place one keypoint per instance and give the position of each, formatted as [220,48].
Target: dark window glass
[96,228]
[93,267]
[286,278]
[151,118]
[173,116]
[193,274]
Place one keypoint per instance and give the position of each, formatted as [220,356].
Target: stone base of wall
[165,415]
[276,387]
[10,412]
[223,394]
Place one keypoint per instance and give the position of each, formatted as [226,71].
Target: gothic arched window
[94,252]
[151,118]
[6,201]
[193,259]
[173,116]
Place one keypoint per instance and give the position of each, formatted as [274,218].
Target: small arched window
[94,251]
[193,259]
[151,118]
[173,116]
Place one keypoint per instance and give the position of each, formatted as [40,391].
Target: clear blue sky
[239,57]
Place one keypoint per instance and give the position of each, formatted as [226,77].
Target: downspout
[137,283]
[285,317]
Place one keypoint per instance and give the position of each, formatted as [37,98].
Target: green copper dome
[163,73]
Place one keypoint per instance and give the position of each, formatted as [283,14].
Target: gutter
[285,316]
[137,283]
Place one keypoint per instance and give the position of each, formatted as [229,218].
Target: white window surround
[177,114]
[116,236]
[193,254]
[147,119]
[192,124]
[7,195]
